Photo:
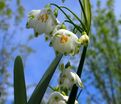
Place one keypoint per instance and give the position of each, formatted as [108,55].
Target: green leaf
[87,10]
[39,91]
[20,96]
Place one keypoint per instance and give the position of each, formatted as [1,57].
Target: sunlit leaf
[87,9]
[20,96]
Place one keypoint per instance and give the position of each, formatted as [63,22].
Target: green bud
[63,26]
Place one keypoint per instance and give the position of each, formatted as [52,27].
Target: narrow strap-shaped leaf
[39,91]
[20,96]
[87,10]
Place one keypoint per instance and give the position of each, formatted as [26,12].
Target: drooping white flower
[65,42]
[84,39]
[58,98]
[42,21]
[68,78]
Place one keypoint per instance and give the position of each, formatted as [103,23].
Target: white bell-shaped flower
[65,42]
[68,78]
[42,21]
[84,39]
[58,98]
[55,97]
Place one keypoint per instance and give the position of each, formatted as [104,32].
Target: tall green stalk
[86,10]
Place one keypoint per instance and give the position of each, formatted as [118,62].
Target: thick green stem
[74,90]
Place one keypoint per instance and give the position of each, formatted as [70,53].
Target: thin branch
[63,13]
[78,28]
[75,16]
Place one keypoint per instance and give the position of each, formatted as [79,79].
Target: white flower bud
[58,98]
[68,78]
[65,42]
[84,39]
[42,21]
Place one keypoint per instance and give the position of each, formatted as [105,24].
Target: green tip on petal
[27,25]
[57,53]
[65,53]
[56,12]
[81,85]
[57,35]
[84,33]
[68,35]
[56,88]
[46,38]
[79,42]
[36,34]
[72,52]
[68,65]
[77,49]
[63,93]
[62,67]
[63,26]
[50,44]
[31,16]
[48,6]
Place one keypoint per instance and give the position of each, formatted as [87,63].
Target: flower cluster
[66,81]
[63,41]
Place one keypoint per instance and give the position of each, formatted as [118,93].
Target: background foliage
[103,59]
